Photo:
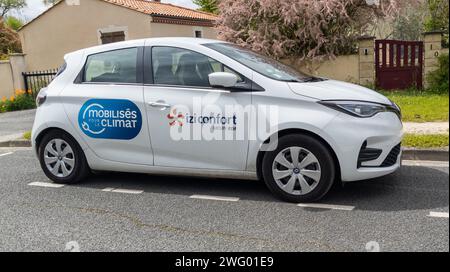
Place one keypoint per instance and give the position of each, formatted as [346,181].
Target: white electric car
[151,106]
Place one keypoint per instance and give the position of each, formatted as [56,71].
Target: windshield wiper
[311,79]
[306,79]
[292,80]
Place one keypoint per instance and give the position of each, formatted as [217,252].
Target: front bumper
[375,139]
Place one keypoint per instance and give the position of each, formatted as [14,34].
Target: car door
[186,116]
[106,106]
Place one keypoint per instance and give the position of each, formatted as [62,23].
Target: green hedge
[438,79]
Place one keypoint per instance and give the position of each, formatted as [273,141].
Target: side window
[175,66]
[61,69]
[118,66]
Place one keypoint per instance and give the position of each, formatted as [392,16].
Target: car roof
[186,40]
[176,41]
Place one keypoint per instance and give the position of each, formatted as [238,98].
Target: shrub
[438,79]
[9,41]
[21,100]
[303,29]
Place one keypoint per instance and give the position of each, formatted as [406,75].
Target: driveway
[14,124]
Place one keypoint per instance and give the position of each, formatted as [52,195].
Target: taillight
[41,97]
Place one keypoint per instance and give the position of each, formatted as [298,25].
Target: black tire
[80,169]
[323,156]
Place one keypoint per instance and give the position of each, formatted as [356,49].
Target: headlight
[360,109]
[396,106]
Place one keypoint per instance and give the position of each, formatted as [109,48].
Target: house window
[112,37]
[198,34]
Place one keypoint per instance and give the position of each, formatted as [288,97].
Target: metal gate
[35,81]
[398,64]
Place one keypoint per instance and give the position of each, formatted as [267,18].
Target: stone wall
[6,80]
[360,68]
[432,50]
[11,75]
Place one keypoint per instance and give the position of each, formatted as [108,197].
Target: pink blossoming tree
[304,29]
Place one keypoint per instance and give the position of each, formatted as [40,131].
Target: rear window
[61,69]
[118,66]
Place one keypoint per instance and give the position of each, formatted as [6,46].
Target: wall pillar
[18,66]
[432,50]
[367,60]
[6,81]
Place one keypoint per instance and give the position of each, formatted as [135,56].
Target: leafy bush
[303,29]
[438,79]
[14,23]
[9,40]
[21,100]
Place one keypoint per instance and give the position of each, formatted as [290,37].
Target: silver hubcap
[59,158]
[296,170]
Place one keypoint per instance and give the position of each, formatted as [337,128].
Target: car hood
[337,90]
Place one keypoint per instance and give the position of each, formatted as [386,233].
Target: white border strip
[6,154]
[326,206]
[217,198]
[46,184]
[438,214]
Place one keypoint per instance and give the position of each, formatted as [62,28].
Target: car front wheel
[61,158]
[301,169]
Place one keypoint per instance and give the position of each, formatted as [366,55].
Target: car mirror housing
[223,79]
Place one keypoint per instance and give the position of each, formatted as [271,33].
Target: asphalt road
[406,211]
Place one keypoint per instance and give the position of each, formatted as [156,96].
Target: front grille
[392,158]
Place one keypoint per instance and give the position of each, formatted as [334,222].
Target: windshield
[259,63]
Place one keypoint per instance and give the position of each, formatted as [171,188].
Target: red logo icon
[175,117]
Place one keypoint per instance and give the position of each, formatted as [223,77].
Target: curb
[413,154]
[420,154]
[16,143]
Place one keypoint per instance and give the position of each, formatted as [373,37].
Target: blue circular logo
[110,119]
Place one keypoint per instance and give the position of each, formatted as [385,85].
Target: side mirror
[223,79]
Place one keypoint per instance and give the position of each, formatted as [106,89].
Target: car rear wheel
[61,158]
[301,169]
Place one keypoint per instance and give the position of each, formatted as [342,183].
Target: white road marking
[46,184]
[123,191]
[126,191]
[327,206]
[426,163]
[6,154]
[438,214]
[217,198]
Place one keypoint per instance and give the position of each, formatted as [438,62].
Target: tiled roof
[162,9]
[183,15]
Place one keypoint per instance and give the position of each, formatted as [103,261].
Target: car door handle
[159,104]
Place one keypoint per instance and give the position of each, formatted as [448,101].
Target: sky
[36,7]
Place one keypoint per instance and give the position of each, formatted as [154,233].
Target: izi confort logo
[110,119]
[179,118]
